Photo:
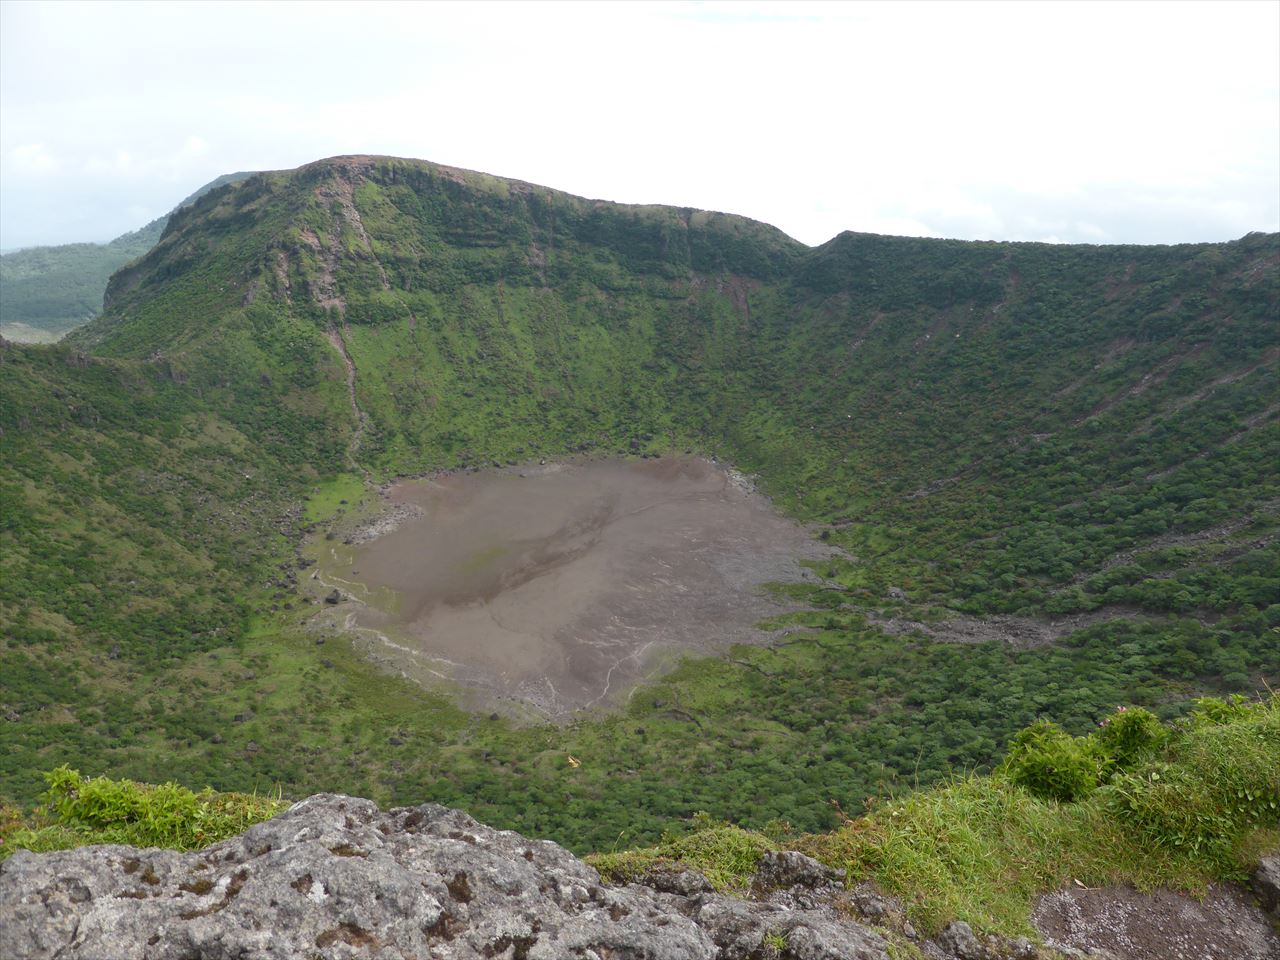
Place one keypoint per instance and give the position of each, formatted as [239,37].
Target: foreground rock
[1161,925]
[1266,884]
[335,877]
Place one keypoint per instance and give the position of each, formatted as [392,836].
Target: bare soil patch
[1021,633]
[547,589]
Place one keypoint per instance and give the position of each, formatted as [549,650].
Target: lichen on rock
[336,877]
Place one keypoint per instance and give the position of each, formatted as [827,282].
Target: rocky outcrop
[786,869]
[335,877]
[1224,924]
[1266,884]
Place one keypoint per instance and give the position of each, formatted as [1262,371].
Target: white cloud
[1091,231]
[32,159]
[140,214]
[1125,122]
[898,227]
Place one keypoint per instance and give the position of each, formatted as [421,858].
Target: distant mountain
[47,291]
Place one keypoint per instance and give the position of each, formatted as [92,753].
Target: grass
[727,855]
[80,811]
[983,848]
[330,496]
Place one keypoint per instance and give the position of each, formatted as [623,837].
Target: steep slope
[474,307]
[990,430]
[47,291]
[1078,387]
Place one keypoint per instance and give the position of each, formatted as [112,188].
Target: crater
[543,590]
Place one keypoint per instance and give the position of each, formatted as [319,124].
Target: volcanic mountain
[1062,456]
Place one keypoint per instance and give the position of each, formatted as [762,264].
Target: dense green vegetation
[986,429]
[50,290]
[1175,804]
[47,291]
[1178,806]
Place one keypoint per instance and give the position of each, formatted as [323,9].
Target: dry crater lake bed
[544,589]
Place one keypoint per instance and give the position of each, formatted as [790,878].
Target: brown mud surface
[546,589]
[1161,925]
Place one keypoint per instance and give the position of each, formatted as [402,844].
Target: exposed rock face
[1161,925]
[1266,883]
[786,869]
[957,940]
[335,877]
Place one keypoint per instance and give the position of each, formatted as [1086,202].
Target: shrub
[1212,711]
[1217,779]
[1201,807]
[164,815]
[1129,735]
[1051,764]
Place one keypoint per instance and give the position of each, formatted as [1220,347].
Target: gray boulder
[334,877]
[786,868]
[1266,883]
[958,941]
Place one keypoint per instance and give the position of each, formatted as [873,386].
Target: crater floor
[546,589]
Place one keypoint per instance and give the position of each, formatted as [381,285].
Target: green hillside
[46,291]
[1010,433]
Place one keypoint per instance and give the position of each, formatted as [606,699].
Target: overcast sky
[1078,122]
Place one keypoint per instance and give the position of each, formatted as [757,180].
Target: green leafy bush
[1219,778]
[1216,711]
[1052,764]
[101,810]
[1129,735]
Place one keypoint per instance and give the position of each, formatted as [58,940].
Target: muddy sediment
[546,589]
